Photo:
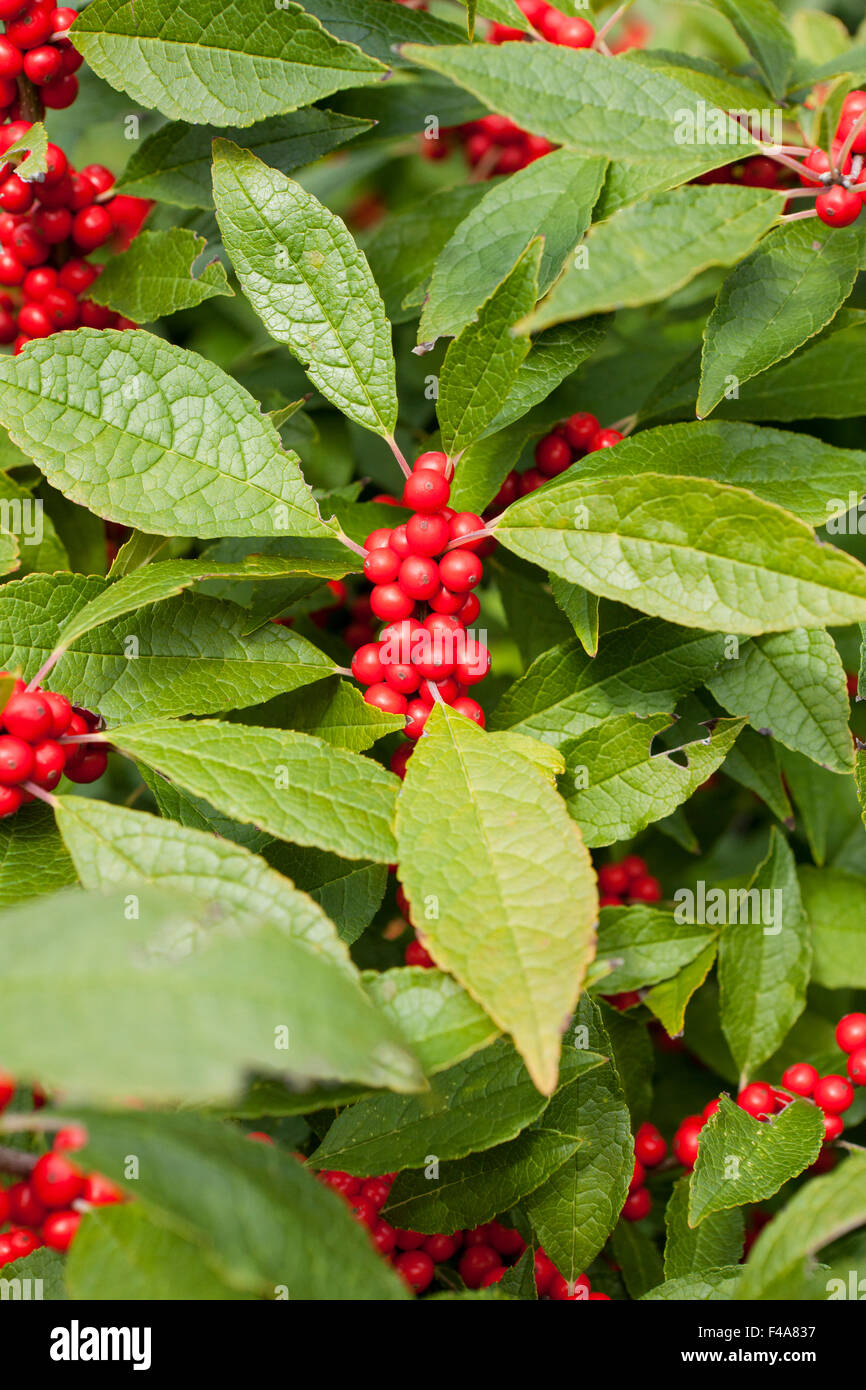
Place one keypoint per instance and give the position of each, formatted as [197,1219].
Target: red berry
[417,714]
[686,1140]
[833,1127]
[34,321]
[435,459]
[505,1239]
[13,132]
[441,1247]
[382,565]
[426,491]
[415,954]
[63,19]
[91,227]
[851,1032]
[58,1229]
[800,1079]
[367,665]
[383,697]
[32,29]
[649,1146]
[545,1273]
[16,196]
[100,1192]
[77,276]
[470,709]
[38,282]
[446,601]
[634,866]
[61,712]
[464,524]
[409,1240]
[475,1262]
[12,270]
[10,800]
[344,1183]
[53,225]
[7,1091]
[852,109]
[856,1067]
[419,575]
[56,1182]
[710,1109]
[383,1237]
[428,533]
[552,455]
[613,879]
[403,678]
[417,1269]
[605,439]
[56,165]
[399,759]
[25,1209]
[89,767]
[376,1191]
[49,760]
[818,161]
[16,760]
[390,601]
[460,571]
[70,1139]
[94,315]
[27,716]
[101,178]
[43,64]
[839,206]
[646,889]
[60,94]
[473,662]
[572,32]
[757,1100]
[11,60]
[833,1093]
[19,1244]
[638,1176]
[560,1291]
[61,308]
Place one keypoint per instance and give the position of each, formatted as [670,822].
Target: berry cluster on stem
[43,738]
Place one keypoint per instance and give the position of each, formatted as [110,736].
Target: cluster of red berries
[572,439]
[51,223]
[35,46]
[47,229]
[423,573]
[482,1255]
[839,183]
[40,743]
[46,1207]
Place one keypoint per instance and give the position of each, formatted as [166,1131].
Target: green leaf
[33,860]
[716,1242]
[185,655]
[309,284]
[689,550]
[486,1100]
[257,61]
[792,684]
[670,999]
[438,1019]
[467,1192]
[766,35]
[775,300]
[824,381]
[199,1173]
[502,889]
[579,99]
[335,711]
[614,786]
[820,1212]
[40,548]
[174,1004]
[553,356]
[552,197]
[292,785]
[349,892]
[112,846]
[764,961]
[649,250]
[155,276]
[581,609]
[402,250]
[638,1259]
[713,1286]
[379,29]
[795,471]
[641,668]
[754,763]
[480,472]
[150,435]
[121,1252]
[174,163]
[45,1268]
[742,1160]
[481,364]
[646,945]
[834,902]
[166,578]
[575,1210]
